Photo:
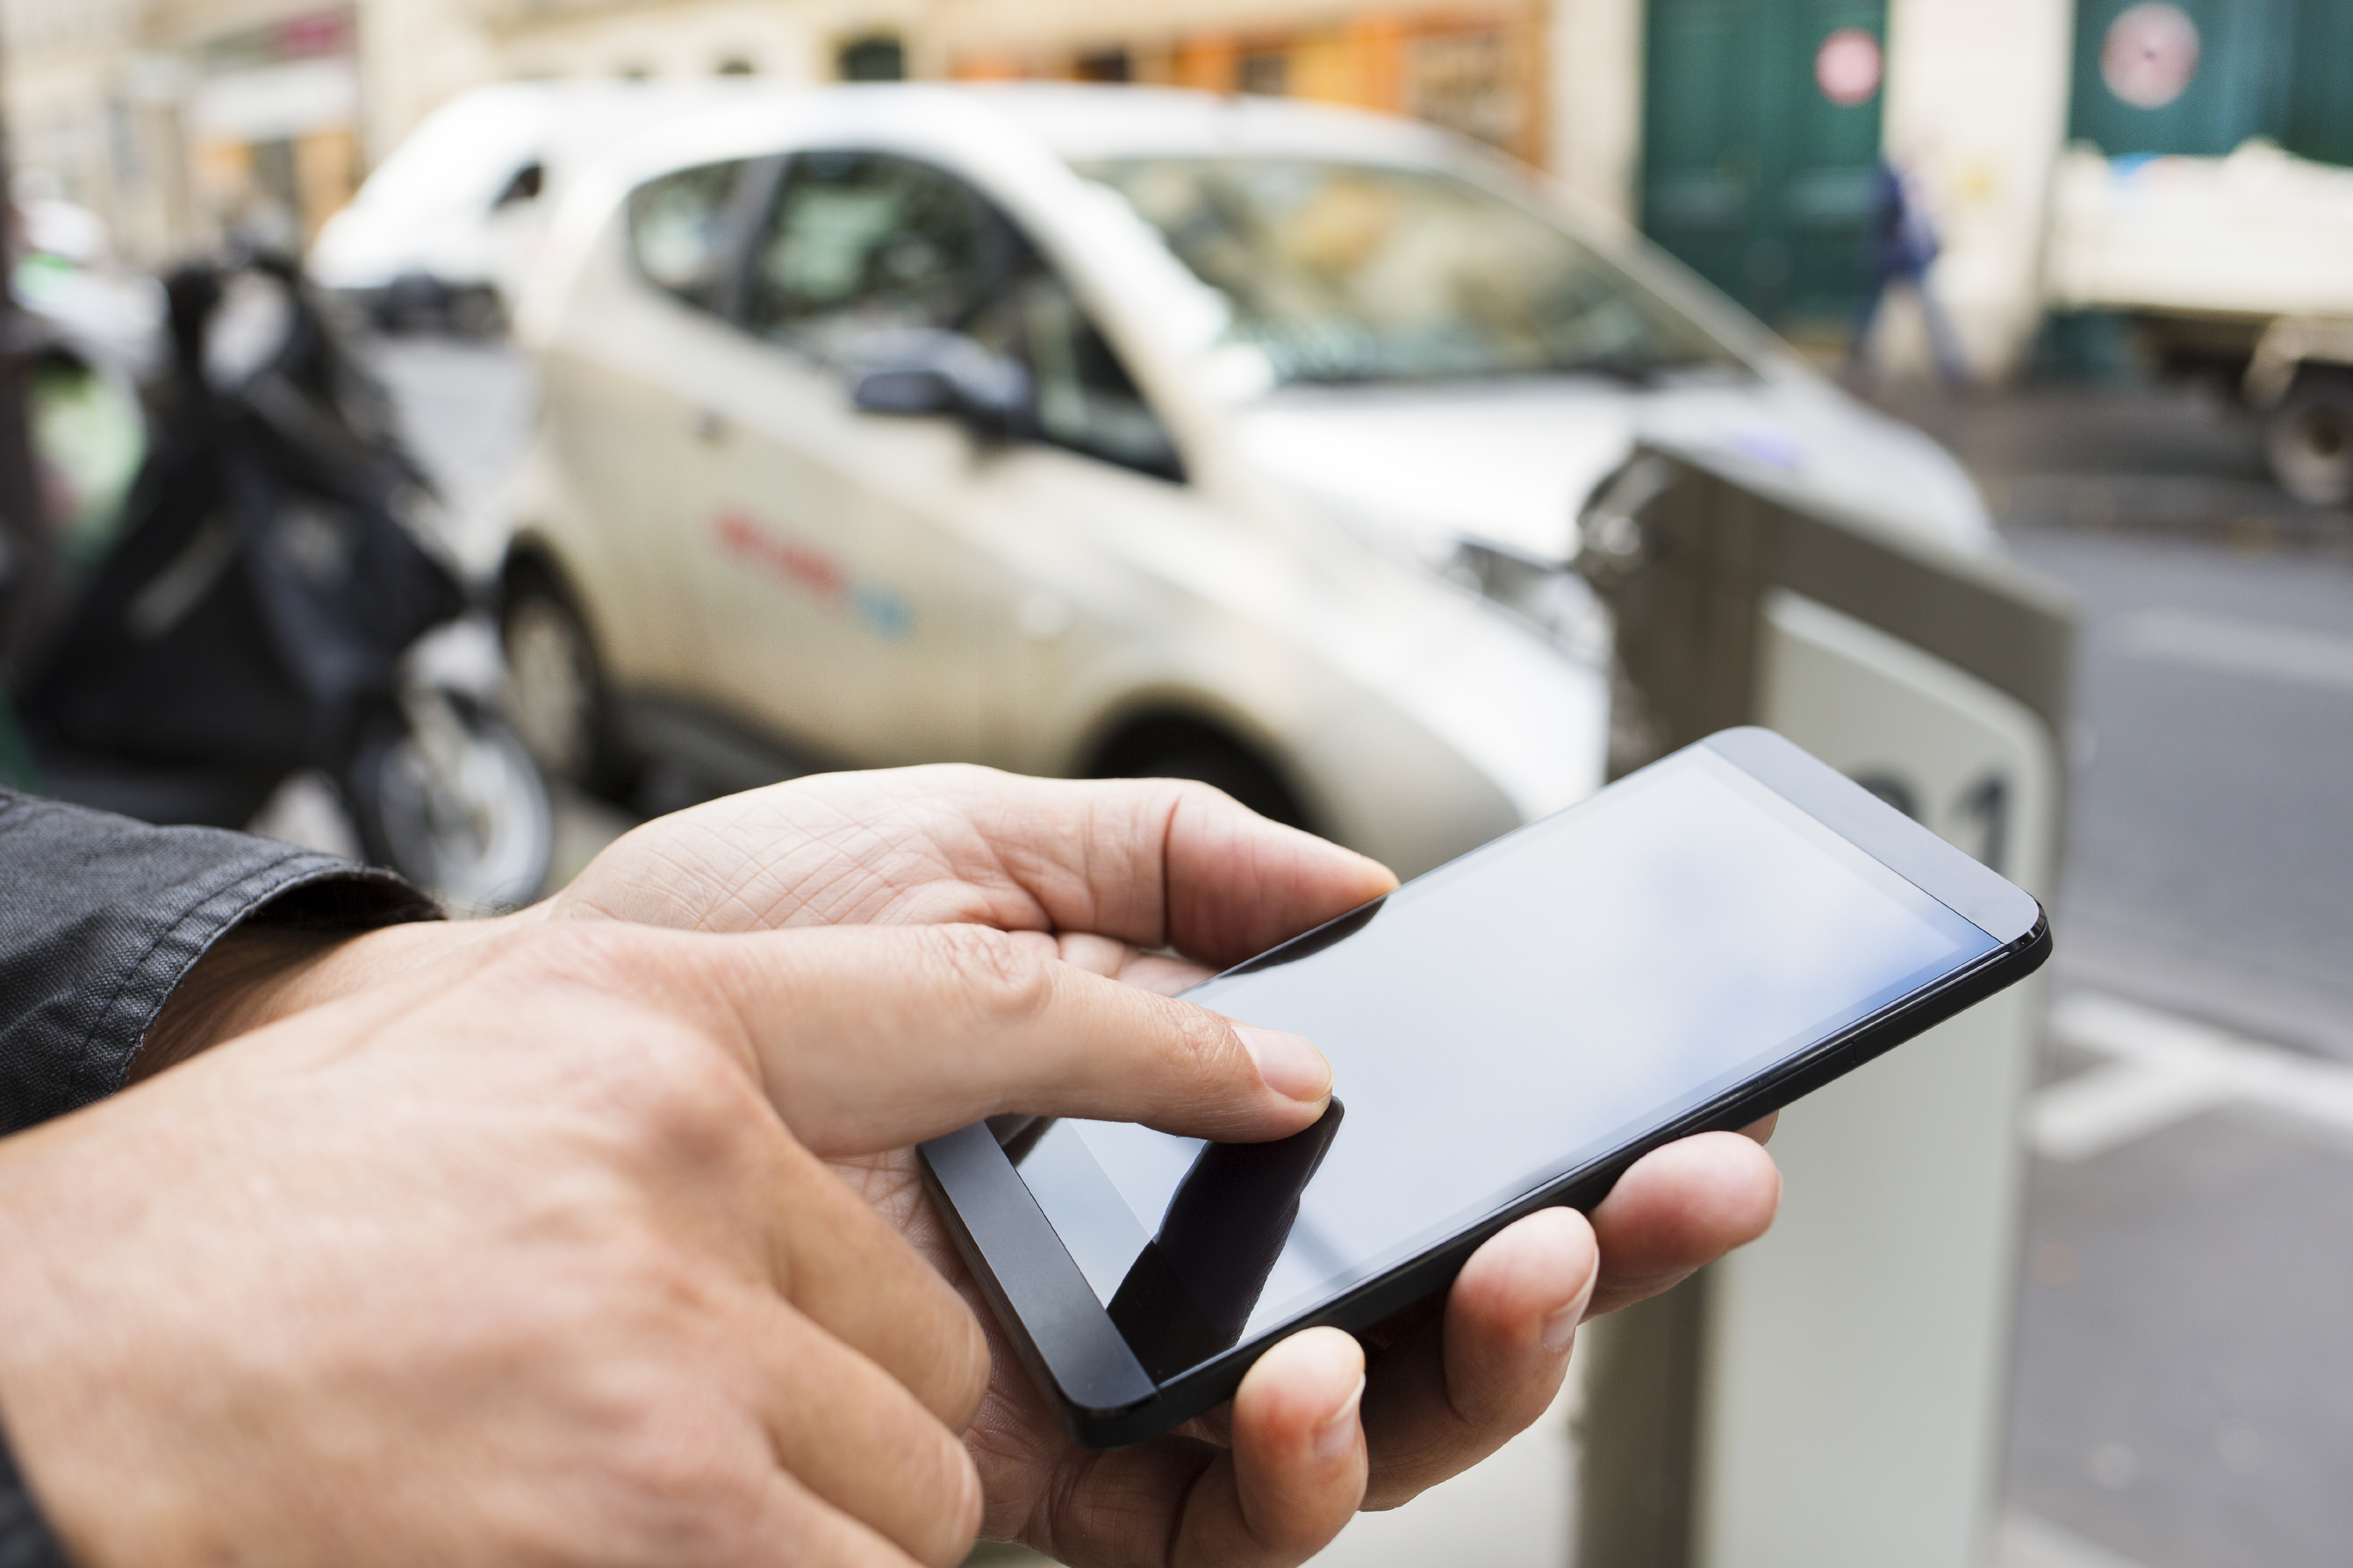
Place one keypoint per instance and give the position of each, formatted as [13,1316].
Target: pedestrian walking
[1902,245]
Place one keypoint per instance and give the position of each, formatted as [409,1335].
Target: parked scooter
[271,606]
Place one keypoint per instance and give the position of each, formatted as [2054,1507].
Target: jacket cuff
[25,1538]
[104,918]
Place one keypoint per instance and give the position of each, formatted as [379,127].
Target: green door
[2276,69]
[2237,86]
[1755,172]
[2320,92]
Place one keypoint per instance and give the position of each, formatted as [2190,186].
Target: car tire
[1184,749]
[2309,439]
[556,686]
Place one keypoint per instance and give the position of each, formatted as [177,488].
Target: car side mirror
[922,371]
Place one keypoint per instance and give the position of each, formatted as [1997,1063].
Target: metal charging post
[1833,1397]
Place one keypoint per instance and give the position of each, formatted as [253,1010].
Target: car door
[891,589]
[1123,562]
[842,569]
[623,423]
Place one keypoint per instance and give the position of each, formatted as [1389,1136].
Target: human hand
[523,1250]
[1105,874]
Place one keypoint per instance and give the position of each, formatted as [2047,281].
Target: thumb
[871,1038]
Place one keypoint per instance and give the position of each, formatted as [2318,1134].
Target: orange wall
[1365,61]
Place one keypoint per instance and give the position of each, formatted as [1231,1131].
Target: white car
[1117,431]
[444,229]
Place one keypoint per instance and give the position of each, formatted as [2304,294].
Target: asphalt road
[2183,1393]
[2210,855]
[2183,1385]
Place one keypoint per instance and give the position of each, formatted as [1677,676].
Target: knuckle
[1197,793]
[693,1098]
[1204,1041]
[946,1481]
[1204,803]
[681,1485]
[962,778]
[1003,980]
[943,1352]
[673,1094]
[966,1507]
[968,1371]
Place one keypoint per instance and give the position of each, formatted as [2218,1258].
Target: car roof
[466,150]
[1084,122]
[1076,122]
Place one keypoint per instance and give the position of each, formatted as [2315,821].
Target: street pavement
[2183,1382]
[2182,1392]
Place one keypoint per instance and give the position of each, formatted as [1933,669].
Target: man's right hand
[526,1253]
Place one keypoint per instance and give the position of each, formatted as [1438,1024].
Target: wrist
[259,975]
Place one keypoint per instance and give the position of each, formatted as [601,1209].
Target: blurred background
[574,414]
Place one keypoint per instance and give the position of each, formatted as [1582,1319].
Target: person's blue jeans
[1943,343]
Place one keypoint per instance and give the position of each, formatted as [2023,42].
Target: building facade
[1743,134]
[174,118]
[1607,95]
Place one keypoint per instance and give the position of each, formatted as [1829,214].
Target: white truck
[2244,263]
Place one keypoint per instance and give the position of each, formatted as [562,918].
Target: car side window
[860,245]
[861,242]
[679,233]
[1086,401]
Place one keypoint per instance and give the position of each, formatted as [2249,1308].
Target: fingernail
[1561,1327]
[1339,1428]
[1289,1066]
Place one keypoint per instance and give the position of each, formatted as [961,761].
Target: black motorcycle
[269,609]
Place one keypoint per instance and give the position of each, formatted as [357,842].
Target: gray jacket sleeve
[25,1538]
[100,918]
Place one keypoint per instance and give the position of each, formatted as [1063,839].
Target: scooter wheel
[463,814]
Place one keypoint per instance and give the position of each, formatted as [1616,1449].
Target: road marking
[2162,1069]
[2026,1542]
[2241,648]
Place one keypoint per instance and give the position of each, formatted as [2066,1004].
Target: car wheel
[1182,749]
[2310,438]
[556,688]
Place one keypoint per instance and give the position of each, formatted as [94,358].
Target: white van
[445,229]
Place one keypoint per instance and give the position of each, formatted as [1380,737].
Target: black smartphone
[1698,944]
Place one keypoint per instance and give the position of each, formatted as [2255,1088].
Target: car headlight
[1552,599]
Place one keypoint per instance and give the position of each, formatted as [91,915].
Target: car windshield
[1343,273]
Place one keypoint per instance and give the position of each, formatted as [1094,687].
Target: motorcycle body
[271,608]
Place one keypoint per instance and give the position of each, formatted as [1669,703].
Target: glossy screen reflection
[1494,1025]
